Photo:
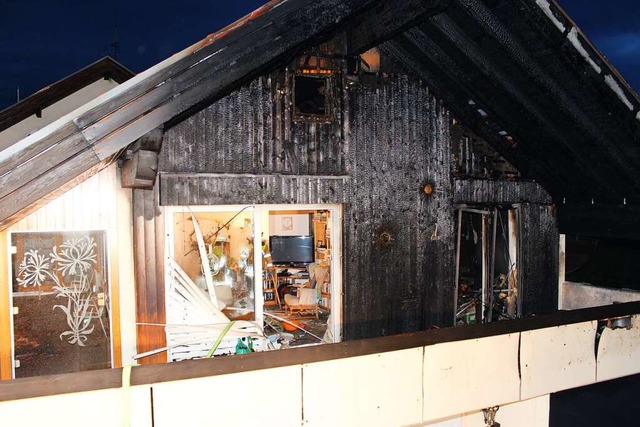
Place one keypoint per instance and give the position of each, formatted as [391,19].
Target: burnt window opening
[310,97]
[487,284]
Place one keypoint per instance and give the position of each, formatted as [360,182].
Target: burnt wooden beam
[30,193]
[584,156]
[491,192]
[428,61]
[139,169]
[223,62]
[489,23]
[25,150]
[586,74]
[57,188]
[389,18]
[43,163]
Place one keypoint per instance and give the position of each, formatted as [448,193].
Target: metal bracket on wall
[490,415]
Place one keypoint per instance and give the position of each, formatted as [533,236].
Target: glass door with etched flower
[60,297]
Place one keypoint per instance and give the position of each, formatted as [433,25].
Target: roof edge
[105,67]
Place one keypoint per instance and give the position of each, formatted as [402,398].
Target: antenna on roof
[116,38]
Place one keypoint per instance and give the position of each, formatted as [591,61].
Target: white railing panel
[558,358]
[619,352]
[469,375]
[376,390]
[102,408]
[268,397]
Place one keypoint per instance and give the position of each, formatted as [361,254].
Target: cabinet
[325,296]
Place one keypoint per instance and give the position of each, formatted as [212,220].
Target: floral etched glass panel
[61,302]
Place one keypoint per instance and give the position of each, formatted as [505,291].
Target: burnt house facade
[452,141]
[382,145]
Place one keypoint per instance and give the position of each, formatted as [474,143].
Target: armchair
[305,303]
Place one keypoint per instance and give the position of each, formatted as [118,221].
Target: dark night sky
[42,41]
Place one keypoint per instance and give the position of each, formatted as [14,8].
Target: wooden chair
[305,304]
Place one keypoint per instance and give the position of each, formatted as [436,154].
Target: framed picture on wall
[287,223]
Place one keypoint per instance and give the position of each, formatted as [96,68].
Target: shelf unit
[270,288]
[325,297]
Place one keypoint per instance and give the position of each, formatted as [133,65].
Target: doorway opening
[486,279]
[275,265]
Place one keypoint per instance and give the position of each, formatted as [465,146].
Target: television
[291,250]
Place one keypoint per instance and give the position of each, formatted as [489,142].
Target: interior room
[269,264]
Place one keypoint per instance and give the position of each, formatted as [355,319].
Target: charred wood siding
[392,138]
[474,191]
[222,189]
[400,142]
[538,259]
[252,131]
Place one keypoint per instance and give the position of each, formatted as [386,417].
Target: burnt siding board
[538,259]
[212,189]
[399,142]
[474,191]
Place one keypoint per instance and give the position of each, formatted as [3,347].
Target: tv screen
[291,250]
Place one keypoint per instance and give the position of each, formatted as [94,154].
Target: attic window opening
[311,97]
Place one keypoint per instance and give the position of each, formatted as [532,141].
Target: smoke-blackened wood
[394,142]
[140,170]
[552,130]
[32,192]
[538,259]
[519,53]
[399,142]
[474,191]
[213,189]
[484,107]
[393,15]
[245,132]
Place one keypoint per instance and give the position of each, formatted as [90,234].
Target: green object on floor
[219,340]
[241,348]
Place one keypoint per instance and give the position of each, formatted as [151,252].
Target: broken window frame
[318,65]
[490,217]
[336,218]
[329,96]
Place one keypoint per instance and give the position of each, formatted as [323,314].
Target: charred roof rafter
[491,24]
[394,16]
[443,27]
[586,76]
[428,61]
